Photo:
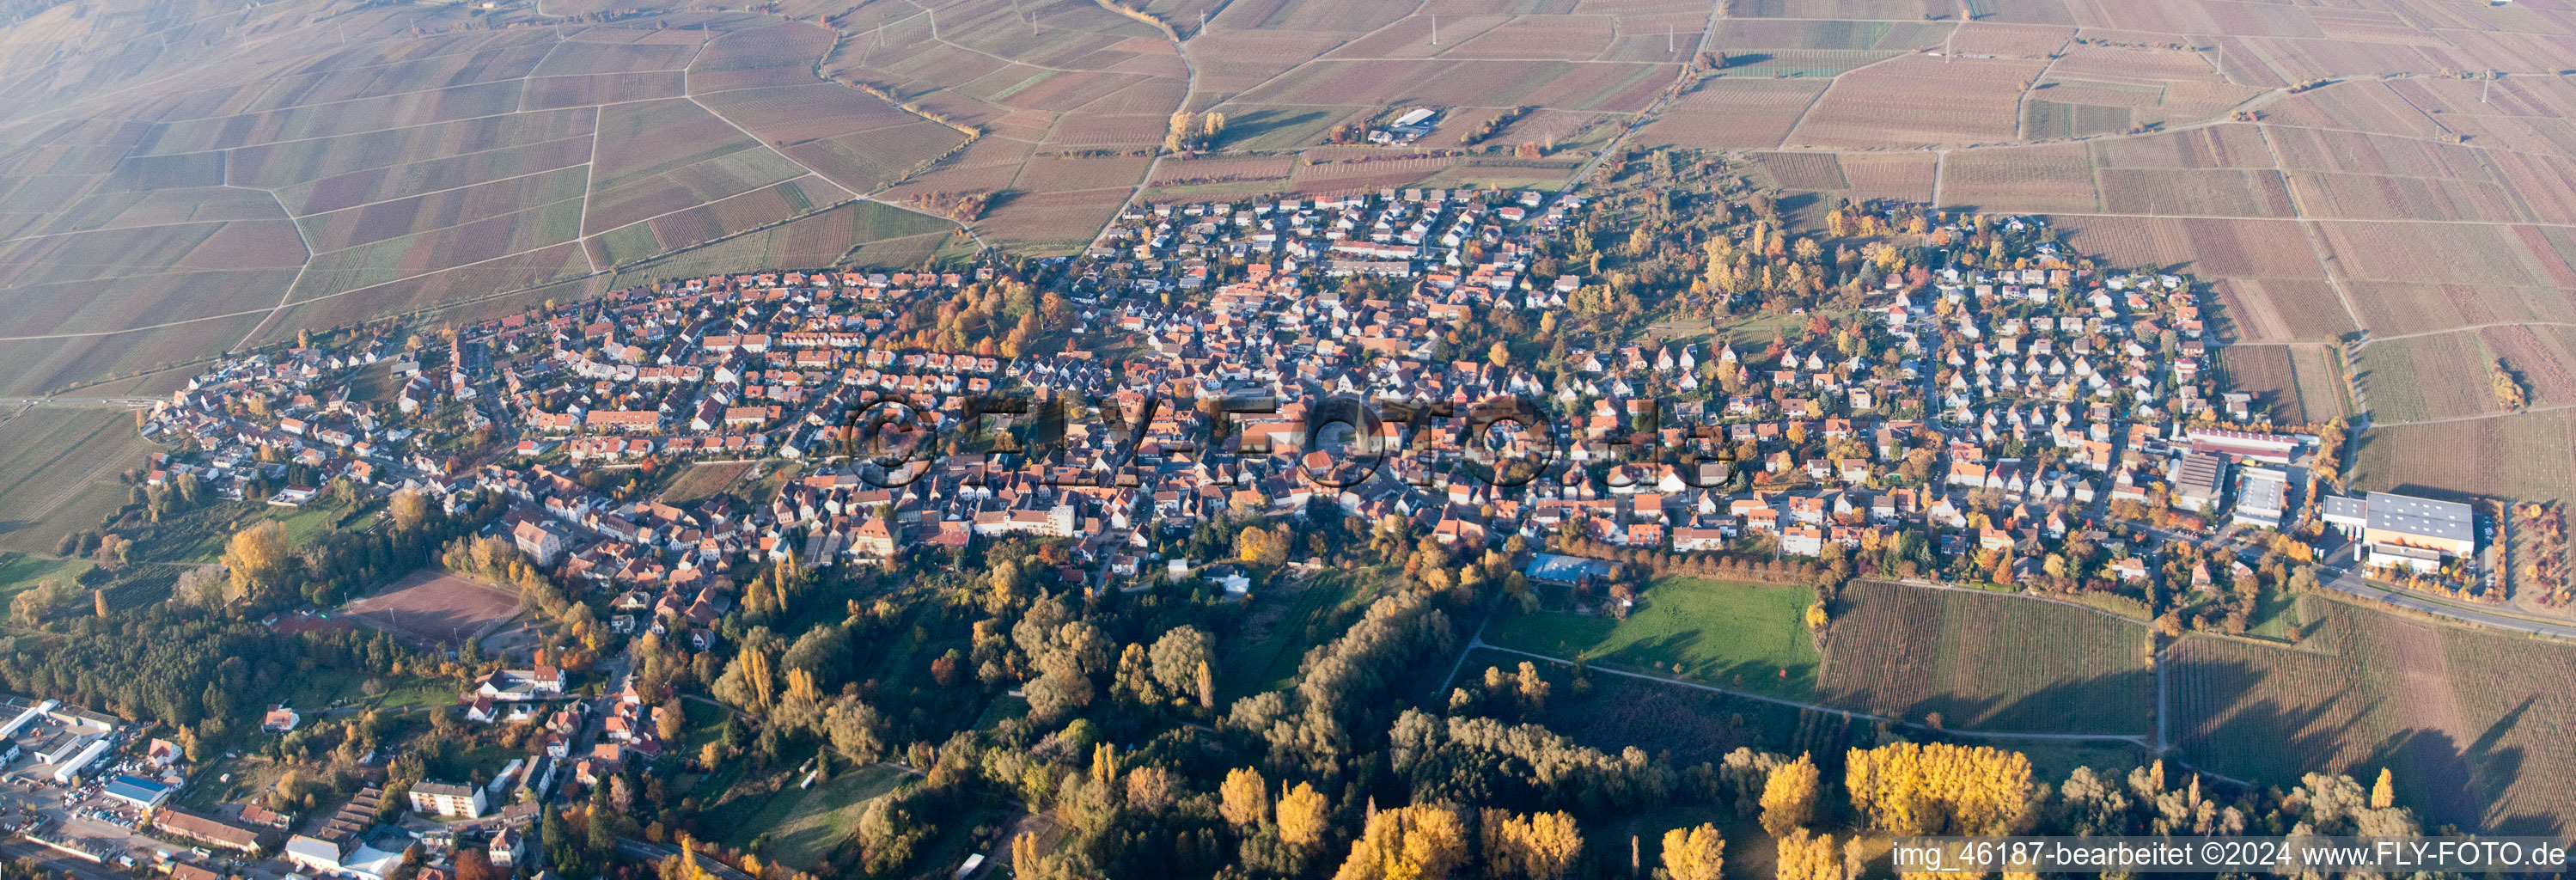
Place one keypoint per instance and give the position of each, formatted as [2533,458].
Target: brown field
[2394,308]
[600,88]
[1760,35]
[705,480]
[1986,662]
[2426,377]
[437,608]
[1729,112]
[2217,146]
[38,366]
[1569,37]
[2282,310]
[1885,10]
[2022,40]
[2353,106]
[1051,223]
[2212,248]
[2221,192]
[2377,197]
[1918,100]
[1803,171]
[2431,253]
[2541,357]
[2045,179]
[1223,168]
[2472,721]
[2292,382]
[59,472]
[2545,185]
[879,157]
[1065,174]
[1906,176]
[2126,64]
[2349,152]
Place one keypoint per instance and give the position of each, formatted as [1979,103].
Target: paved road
[2348,581]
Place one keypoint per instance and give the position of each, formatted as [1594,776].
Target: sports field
[1734,635]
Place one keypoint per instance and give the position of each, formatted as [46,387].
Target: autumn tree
[1540,846]
[1696,853]
[1244,798]
[1806,857]
[1789,796]
[257,557]
[2509,392]
[1304,817]
[1939,788]
[1419,842]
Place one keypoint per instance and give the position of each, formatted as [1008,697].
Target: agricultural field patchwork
[2476,720]
[1985,662]
[61,471]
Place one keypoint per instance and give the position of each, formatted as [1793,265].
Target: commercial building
[2262,497]
[143,793]
[2419,533]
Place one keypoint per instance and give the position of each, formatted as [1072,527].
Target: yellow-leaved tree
[1304,817]
[1789,796]
[1914,788]
[1539,846]
[1244,798]
[1806,857]
[1420,842]
[1697,853]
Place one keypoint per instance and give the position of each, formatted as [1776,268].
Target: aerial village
[1976,424]
[1277,361]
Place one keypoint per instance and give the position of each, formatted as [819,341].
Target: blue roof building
[143,793]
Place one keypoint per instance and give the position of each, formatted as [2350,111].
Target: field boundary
[2139,740]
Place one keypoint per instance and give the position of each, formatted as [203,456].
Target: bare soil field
[1802,171]
[1067,174]
[2217,146]
[2380,197]
[1051,223]
[2353,106]
[2292,382]
[1985,662]
[2212,248]
[2043,179]
[2017,40]
[1729,112]
[2282,310]
[1906,176]
[2431,253]
[1918,100]
[434,607]
[2543,358]
[2473,717]
[2395,308]
[2221,192]
[2426,377]
[59,472]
